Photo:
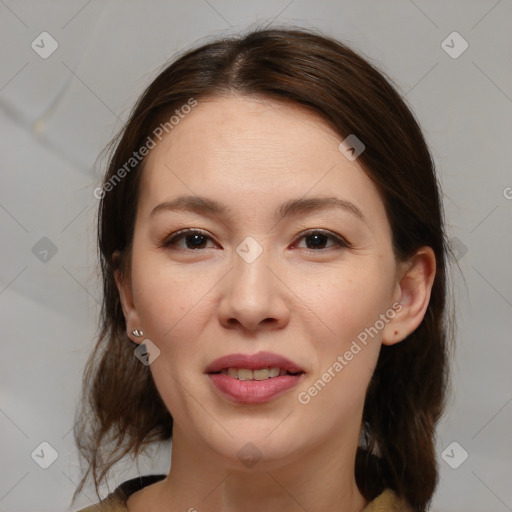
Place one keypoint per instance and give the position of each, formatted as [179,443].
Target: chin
[260,445]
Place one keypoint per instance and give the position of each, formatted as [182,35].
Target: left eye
[319,238]
[198,239]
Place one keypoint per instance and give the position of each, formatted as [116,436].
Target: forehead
[253,133]
[247,152]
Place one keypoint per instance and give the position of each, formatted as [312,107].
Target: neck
[318,480]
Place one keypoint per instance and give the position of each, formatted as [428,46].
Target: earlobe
[413,295]
[127,303]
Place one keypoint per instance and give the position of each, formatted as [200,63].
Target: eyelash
[340,241]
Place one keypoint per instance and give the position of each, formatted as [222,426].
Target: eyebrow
[207,206]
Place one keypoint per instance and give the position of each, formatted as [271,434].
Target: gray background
[58,113]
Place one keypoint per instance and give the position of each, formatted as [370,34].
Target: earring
[137,333]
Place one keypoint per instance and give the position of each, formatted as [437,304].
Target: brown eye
[318,239]
[194,239]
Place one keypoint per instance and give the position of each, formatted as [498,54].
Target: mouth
[253,379]
[259,374]
[259,366]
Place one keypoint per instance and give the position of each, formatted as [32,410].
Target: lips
[254,362]
[253,379]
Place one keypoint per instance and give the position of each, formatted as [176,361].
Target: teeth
[244,374]
[259,374]
[274,372]
[247,374]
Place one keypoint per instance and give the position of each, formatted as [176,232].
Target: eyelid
[342,241]
[338,239]
[182,233]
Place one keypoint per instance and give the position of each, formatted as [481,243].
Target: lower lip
[253,391]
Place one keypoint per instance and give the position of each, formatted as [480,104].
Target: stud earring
[137,333]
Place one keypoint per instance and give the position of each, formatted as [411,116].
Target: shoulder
[105,506]
[387,501]
[116,500]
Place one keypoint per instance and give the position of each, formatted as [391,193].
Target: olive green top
[388,501]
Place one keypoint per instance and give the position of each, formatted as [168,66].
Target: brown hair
[406,395]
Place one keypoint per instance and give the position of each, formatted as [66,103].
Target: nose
[253,297]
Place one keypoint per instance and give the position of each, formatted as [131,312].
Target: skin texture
[304,303]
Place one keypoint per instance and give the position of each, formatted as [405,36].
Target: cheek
[346,300]
[171,306]
[175,307]
[346,356]
[167,297]
[349,306]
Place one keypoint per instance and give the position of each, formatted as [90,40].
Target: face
[314,283]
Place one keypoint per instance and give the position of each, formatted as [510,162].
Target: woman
[273,257]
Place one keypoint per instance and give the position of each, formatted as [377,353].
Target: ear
[124,286]
[412,295]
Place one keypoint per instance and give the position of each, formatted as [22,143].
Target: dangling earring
[137,333]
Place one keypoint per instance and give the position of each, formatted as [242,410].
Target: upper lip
[253,362]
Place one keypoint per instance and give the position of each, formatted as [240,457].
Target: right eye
[194,239]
